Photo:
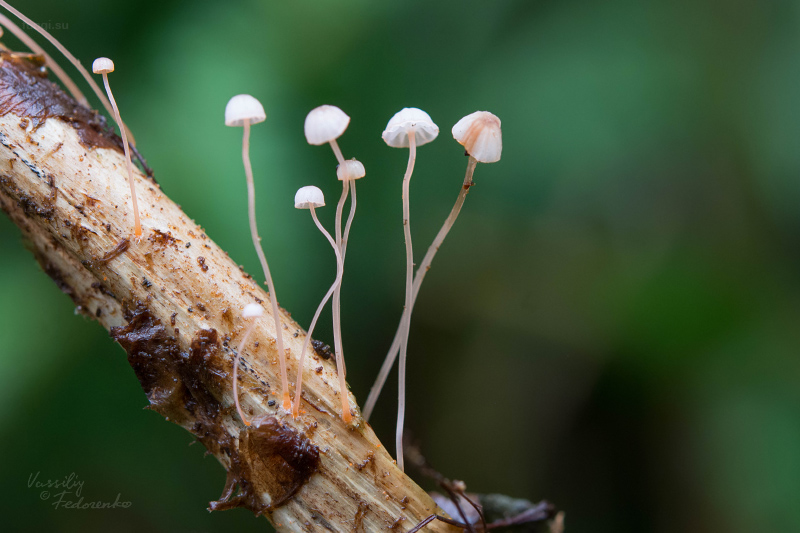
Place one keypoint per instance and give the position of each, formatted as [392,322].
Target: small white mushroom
[250,311]
[409,128]
[325,124]
[406,120]
[310,198]
[103,65]
[244,110]
[481,135]
[352,169]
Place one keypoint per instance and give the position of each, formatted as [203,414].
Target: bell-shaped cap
[352,169]
[244,107]
[396,132]
[308,197]
[480,135]
[102,65]
[251,310]
[325,124]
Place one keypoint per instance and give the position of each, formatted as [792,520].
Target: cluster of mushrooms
[478,132]
[480,135]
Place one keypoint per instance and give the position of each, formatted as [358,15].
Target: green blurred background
[611,325]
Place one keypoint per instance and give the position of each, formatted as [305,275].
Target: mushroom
[325,124]
[250,311]
[481,136]
[408,128]
[244,110]
[310,198]
[103,65]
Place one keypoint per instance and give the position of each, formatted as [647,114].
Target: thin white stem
[336,311]
[55,67]
[346,235]
[137,223]
[336,283]
[424,266]
[251,205]
[72,59]
[418,278]
[336,151]
[401,401]
[246,335]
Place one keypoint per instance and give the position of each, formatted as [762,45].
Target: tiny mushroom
[481,136]
[250,311]
[310,198]
[408,128]
[103,65]
[325,124]
[242,111]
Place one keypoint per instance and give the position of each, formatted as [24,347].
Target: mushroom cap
[480,135]
[352,169]
[102,65]
[396,132]
[308,197]
[251,310]
[244,107]
[325,124]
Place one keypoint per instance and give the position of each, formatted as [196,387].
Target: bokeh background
[612,324]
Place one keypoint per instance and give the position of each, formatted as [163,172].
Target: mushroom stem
[35,48]
[406,326]
[349,218]
[246,336]
[337,302]
[336,283]
[72,59]
[336,151]
[424,266]
[137,224]
[251,206]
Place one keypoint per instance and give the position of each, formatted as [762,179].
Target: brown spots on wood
[227,317]
[322,349]
[396,523]
[121,247]
[358,520]
[102,289]
[202,262]
[370,460]
[178,384]
[26,92]
[273,459]
[90,200]
[162,239]
[27,203]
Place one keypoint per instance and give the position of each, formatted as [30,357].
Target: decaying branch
[174,302]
